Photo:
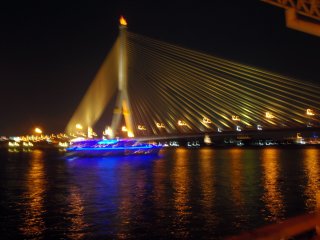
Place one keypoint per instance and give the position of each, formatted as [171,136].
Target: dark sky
[51,50]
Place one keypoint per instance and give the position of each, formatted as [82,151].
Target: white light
[108,131]
[130,134]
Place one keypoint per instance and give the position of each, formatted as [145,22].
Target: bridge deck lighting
[124,129]
[160,125]
[269,115]
[182,123]
[141,127]
[206,120]
[130,134]
[238,128]
[259,127]
[310,112]
[235,118]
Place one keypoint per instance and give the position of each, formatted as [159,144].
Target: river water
[181,194]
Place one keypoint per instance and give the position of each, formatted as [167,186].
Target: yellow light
[63,144]
[130,134]
[182,123]
[269,115]
[206,120]
[235,118]
[38,130]
[160,125]
[124,129]
[79,126]
[141,127]
[310,112]
[90,132]
[123,21]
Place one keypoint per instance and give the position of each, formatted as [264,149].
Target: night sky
[51,50]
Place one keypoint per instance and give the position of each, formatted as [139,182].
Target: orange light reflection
[272,196]
[77,212]
[206,161]
[311,165]
[34,225]
[181,186]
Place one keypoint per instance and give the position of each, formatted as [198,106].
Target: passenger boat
[111,147]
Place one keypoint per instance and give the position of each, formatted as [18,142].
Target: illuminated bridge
[163,89]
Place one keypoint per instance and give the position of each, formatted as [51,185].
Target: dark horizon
[52,51]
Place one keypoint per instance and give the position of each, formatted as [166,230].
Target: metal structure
[301,15]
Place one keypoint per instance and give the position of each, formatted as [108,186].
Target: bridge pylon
[122,106]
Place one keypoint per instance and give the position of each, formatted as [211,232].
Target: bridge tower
[122,103]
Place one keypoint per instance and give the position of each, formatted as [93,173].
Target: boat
[111,147]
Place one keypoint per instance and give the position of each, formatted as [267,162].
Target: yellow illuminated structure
[174,89]
[122,103]
[90,132]
[79,126]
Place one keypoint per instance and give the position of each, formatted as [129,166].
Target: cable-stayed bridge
[164,89]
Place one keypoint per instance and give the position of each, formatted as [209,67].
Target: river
[181,194]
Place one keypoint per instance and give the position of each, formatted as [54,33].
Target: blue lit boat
[111,147]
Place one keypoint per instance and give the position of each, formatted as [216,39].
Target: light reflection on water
[237,181]
[33,224]
[272,196]
[207,185]
[312,171]
[76,214]
[183,194]
[181,186]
